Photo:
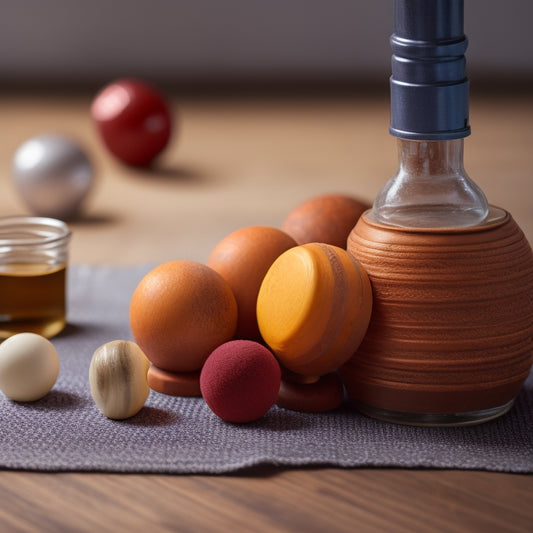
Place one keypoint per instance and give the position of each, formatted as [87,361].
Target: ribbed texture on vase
[452,323]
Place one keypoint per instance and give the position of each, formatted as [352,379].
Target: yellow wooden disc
[294,303]
[354,307]
[314,307]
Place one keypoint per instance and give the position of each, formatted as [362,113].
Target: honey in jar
[33,261]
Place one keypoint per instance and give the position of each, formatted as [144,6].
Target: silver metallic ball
[53,176]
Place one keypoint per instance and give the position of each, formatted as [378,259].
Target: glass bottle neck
[421,159]
[430,188]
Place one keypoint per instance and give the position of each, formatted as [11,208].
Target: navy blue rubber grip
[428,87]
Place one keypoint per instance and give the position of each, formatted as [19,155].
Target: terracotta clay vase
[450,340]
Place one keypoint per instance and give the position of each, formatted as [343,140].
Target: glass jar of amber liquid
[33,261]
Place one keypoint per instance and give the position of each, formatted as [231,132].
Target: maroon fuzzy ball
[240,381]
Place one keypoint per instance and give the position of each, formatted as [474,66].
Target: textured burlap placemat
[65,431]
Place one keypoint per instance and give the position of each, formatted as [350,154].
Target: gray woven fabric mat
[65,431]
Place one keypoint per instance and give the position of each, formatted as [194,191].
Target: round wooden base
[323,395]
[174,383]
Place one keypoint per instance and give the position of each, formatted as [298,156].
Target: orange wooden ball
[327,218]
[314,308]
[242,259]
[180,312]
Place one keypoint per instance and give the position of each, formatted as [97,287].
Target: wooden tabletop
[248,160]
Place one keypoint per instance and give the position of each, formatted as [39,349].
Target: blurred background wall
[76,42]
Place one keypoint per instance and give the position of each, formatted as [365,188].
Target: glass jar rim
[21,230]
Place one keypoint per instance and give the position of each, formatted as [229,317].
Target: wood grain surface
[238,161]
[308,500]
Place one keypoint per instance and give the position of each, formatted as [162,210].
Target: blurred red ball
[240,381]
[133,120]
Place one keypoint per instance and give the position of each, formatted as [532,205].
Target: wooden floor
[237,162]
[314,500]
